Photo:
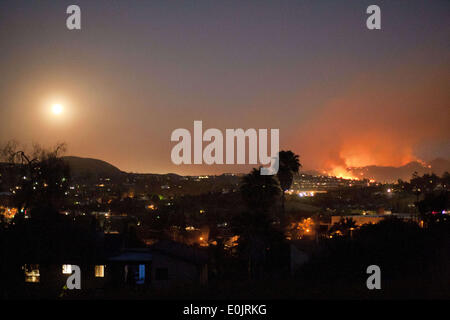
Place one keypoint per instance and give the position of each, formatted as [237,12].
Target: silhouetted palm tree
[259,192]
[253,226]
[289,165]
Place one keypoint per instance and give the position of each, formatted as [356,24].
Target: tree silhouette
[259,192]
[432,193]
[289,165]
[345,226]
[42,175]
[254,226]
[46,237]
[424,184]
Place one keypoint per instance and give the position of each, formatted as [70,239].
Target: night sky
[341,95]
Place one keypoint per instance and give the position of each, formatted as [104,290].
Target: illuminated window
[141,274]
[99,271]
[67,269]
[31,273]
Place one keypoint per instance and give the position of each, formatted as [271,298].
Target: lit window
[67,269]
[99,271]
[31,273]
[141,275]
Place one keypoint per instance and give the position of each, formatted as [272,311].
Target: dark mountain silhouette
[392,174]
[92,168]
[89,168]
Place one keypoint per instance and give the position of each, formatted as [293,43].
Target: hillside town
[161,233]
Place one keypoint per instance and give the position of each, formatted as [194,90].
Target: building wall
[53,279]
[179,272]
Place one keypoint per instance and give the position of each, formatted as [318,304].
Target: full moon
[57,109]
